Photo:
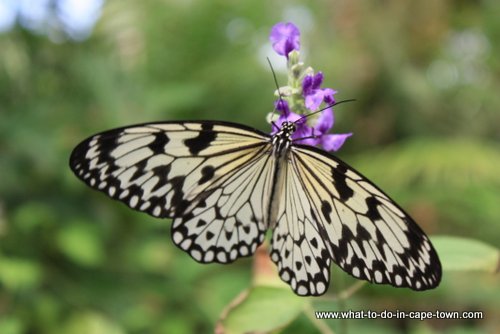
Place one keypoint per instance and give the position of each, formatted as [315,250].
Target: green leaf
[31,215]
[11,325]
[81,243]
[18,273]
[466,254]
[90,322]
[261,309]
[152,255]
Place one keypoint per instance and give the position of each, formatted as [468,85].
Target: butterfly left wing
[211,177]
[341,216]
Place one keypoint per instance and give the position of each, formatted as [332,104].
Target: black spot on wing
[341,251]
[201,223]
[202,141]
[158,145]
[338,175]
[313,215]
[139,170]
[362,233]
[107,143]
[314,243]
[372,203]
[326,209]
[178,203]
[162,173]
[207,173]
[298,265]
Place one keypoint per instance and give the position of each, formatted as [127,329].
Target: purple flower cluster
[315,95]
[285,39]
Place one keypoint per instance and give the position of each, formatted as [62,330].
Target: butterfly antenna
[277,88]
[318,111]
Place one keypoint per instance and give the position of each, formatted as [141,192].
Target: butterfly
[226,184]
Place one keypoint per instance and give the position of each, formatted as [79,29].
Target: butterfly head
[288,127]
[282,140]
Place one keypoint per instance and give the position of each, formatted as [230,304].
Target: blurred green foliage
[426,129]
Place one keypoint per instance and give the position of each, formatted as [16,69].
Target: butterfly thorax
[282,140]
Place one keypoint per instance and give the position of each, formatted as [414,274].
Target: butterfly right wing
[211,177]
[344,218]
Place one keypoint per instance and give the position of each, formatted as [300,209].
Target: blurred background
[426,129]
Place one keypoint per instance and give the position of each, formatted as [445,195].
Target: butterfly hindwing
[190,171]
[298,246]
[225,220]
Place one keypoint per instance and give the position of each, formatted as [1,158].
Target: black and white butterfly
[225,184]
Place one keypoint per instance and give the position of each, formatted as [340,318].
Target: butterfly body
[225,184]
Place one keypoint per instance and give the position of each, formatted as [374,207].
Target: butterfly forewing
[225,184]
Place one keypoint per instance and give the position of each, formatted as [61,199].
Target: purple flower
[313,94]
[310,135]
[325,121]
[328,95]
[304,90]
[333,142]
[330,142]
[285,38]
[286,115]
[282,106]
[311,83]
